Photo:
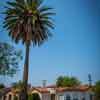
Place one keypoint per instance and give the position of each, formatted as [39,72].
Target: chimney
[44,83]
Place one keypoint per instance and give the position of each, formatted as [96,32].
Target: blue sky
[74,49]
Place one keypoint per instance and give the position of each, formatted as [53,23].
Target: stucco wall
[73,95]
[46,96]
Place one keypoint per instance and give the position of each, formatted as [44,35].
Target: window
[4,98]
[61,97]
[83,98]
[75,99]
[67,97]
[75,96]
[91,97]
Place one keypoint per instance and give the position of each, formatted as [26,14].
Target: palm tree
[29,21]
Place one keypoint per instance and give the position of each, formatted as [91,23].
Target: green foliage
[28,20]
[64,81]
[35,96]
[18,85]
[9,59]
[15,98]
[97,90]
[30,97]
[2,86]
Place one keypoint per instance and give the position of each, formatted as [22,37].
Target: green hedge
[34,96]
[15,98]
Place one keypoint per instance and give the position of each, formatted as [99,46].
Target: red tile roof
[78,88]
[41,90]
[81,88]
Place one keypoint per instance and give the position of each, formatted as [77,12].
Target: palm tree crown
[28,20]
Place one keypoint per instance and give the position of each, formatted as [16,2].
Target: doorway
[52,96]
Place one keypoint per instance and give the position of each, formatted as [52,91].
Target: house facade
[54,93]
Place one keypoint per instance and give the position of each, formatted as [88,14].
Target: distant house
[54,93]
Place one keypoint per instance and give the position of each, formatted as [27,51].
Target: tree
[9,59]
[18,85]
[64,81]
[97,90]
[2,86]
[29,21]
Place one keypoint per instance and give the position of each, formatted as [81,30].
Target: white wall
[78,95]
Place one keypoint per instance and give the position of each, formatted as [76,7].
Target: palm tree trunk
[25,74]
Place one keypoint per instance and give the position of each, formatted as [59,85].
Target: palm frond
[38,2]
[28,20]
[45,8]
[17,5]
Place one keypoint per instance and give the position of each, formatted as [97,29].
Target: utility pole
[90,80]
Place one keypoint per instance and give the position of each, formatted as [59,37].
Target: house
[82,92]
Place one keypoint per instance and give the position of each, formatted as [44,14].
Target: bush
[34,96]
[30,97]
[97,90]
[15,98]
